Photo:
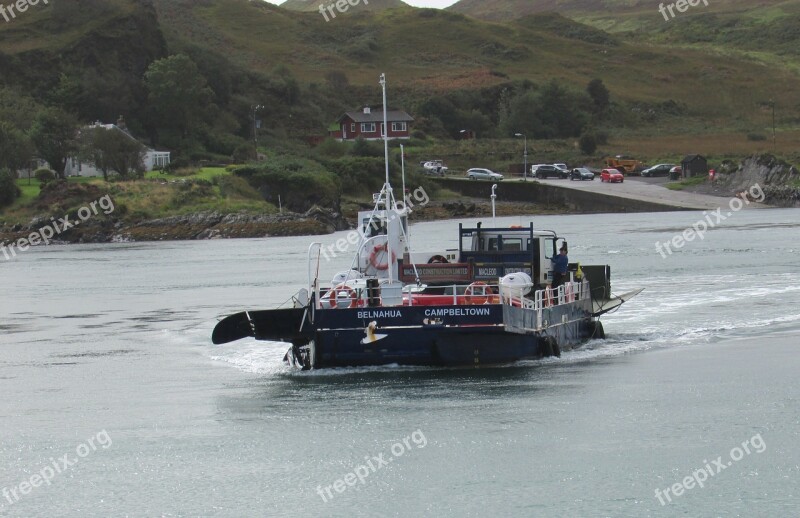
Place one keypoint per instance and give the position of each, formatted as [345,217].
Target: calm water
[112,343]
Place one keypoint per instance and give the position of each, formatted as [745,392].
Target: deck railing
[570,291]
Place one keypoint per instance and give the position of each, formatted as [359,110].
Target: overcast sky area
[415,3]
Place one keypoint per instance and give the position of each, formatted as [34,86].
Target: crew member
[560,267]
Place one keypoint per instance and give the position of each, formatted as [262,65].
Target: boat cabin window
[374,227]
[549,247]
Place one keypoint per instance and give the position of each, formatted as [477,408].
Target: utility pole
[525,156]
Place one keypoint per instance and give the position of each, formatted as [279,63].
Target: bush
[9,192]
[332,148]
[245,152]
[588,143]
[236,187]
[756,137]
[365,148]
[300,183]
[44,175]
[359,175]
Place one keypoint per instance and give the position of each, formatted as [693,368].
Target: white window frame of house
[352,127]
[365,125]
[399,126]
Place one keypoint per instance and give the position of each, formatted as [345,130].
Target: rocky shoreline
[202,225]
[775,178]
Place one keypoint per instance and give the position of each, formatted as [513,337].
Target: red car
[611,175]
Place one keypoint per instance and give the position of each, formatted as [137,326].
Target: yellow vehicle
[624,164]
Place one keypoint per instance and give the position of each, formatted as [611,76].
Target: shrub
[244,152]
[756,137]
[300,183]
[359,175]
[44,175]
[236,187]
[366,148]
[332,148]
[9,191]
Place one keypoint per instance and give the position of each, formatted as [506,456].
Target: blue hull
[443,335]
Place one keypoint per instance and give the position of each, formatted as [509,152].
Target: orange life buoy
[333,296]
[483,298]
[373,257]
[548,297]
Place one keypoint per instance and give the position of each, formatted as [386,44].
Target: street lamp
[255,128]
[524,171]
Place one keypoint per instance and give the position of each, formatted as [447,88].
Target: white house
[152,159]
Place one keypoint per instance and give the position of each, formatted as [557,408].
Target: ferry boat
[490,301]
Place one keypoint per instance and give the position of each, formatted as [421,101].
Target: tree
[16,149]
[599,94]
[588,143]
[53,134]
[112,150]
[552,112]
[177,93]
[9,191]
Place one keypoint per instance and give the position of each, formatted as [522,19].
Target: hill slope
[258,53]
[369,5]
[605,9]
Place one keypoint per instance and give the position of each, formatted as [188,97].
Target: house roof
[124,132]
[377,116]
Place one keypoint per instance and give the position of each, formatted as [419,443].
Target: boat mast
[390,203]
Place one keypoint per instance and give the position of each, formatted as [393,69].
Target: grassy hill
[469,53]
[721,75]
[596,9]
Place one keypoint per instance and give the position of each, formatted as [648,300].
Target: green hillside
[597,9]
[699,75]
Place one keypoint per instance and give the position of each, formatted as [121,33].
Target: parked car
[478,173]
[547,171]
[563,168]
[675,173]
[581,173]
[658,170]
[435,167]
[611,176]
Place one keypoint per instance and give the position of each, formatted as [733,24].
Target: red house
[368,124]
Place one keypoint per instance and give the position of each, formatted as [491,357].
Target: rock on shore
[202,225]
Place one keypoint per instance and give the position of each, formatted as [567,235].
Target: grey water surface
[106,358]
